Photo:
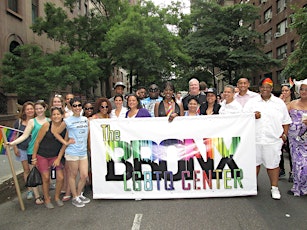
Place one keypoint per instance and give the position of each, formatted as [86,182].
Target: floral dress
[298,148]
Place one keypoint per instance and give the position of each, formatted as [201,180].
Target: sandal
[39,200]
[66,198]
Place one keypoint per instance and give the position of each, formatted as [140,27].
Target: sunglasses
[153,90]
[104,107]
[90,108]
[78,105]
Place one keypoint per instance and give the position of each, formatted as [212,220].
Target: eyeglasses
[104,107]
[90,108]
[153,90]
[78,105]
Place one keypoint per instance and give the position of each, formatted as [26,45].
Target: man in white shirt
[272,124]
[244,94]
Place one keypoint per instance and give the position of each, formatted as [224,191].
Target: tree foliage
[143,45]
[34,75]
[117,33]
[223,37]
[296,66]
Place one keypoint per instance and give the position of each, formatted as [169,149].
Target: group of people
[62,141]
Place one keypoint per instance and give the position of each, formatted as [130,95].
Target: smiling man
[244,94]
[272,124]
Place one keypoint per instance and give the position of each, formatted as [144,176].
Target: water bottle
[53,173]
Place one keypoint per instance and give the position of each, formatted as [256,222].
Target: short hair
[69,94]
[203,85]
[193,98]
[73,100]
[245,78]
[231,87]
[193,79]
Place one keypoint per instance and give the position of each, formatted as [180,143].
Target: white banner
[150,158]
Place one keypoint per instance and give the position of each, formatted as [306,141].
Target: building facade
[16,17]
[278,38]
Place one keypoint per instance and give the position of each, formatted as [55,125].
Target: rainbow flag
[11,135]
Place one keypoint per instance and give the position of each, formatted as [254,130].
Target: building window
[13,45]
[268,37]
[268,15]
[281,5]
[269,54]
[281,28]
[282,52]
[85,9]
[34,10]
[281,78]
[13,5]
[292,46]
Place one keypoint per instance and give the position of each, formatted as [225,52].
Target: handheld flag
[10,134]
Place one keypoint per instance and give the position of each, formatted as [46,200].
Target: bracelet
[35,159]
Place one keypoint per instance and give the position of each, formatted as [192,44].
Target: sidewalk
[7,187]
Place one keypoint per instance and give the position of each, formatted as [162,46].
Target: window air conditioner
[263,1]
[277,35]
[284,55]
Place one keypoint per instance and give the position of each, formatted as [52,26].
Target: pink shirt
[246,97]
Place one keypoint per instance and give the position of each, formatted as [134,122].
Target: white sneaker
[77,202]
[84,199]
[275,193]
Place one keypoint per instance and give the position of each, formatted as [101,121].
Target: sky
[164,3]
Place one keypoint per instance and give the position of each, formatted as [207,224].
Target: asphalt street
[254,212]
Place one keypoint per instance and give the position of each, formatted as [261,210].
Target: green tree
[223,37]
[143,45]
[34,75]
[296,66]
[84,33]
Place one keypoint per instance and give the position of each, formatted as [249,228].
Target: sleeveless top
[50,146]
[34,134]
[18,125]
[161,109]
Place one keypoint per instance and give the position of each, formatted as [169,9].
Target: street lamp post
[215,78]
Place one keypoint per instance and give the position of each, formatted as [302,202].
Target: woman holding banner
[32,128]
[20,150]
[135,107]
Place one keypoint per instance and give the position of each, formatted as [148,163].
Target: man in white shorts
[272,124]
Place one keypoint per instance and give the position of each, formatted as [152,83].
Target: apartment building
[278,38]
[16,17]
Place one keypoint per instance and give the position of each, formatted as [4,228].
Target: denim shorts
[23,155]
